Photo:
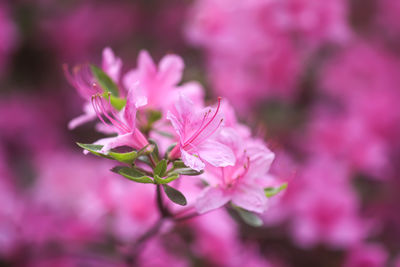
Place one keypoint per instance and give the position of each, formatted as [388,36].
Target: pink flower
[124,123]
[83,81]
[242,183]
[158,84]
[196,130]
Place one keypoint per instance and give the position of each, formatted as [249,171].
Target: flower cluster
[162,131]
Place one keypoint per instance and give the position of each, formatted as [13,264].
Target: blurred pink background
[319,80]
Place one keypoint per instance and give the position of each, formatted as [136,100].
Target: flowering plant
[161,132]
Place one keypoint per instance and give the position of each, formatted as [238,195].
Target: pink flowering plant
[161,133]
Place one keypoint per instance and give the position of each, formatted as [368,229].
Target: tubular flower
[82,79]
[124,123]
[196,131]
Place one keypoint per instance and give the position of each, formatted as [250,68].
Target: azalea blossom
[124,123]
[196,130]
[242,183]
[82,79]
[159,84]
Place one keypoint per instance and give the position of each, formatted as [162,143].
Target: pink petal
[261,158]
[192,90]
[111,64]
[192,161]
[82,119]
[214,124]
[170,69]
[130,79]
[180,117]
[250,198]
[130,109]
[184,108]
[210,199]
[216,153]
[178,126]
[132,83]
[129,139]
[146,64]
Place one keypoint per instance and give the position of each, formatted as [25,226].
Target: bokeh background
[319,80]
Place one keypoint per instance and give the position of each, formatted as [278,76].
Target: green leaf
[104,80]
[94,149]
[160,168]
[165,180]
[249,217]
[128,157]
[90,147]
[187,171]
[133,174]
[116,169]
[174,195]
[272,191]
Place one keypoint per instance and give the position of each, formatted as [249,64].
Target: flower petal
[175,123]
[261,158]
[171,69]
[216,153]
[192,161]
[146,64]
[128,139]
[250,198]
[111,64]
[82,119]
[210,199]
